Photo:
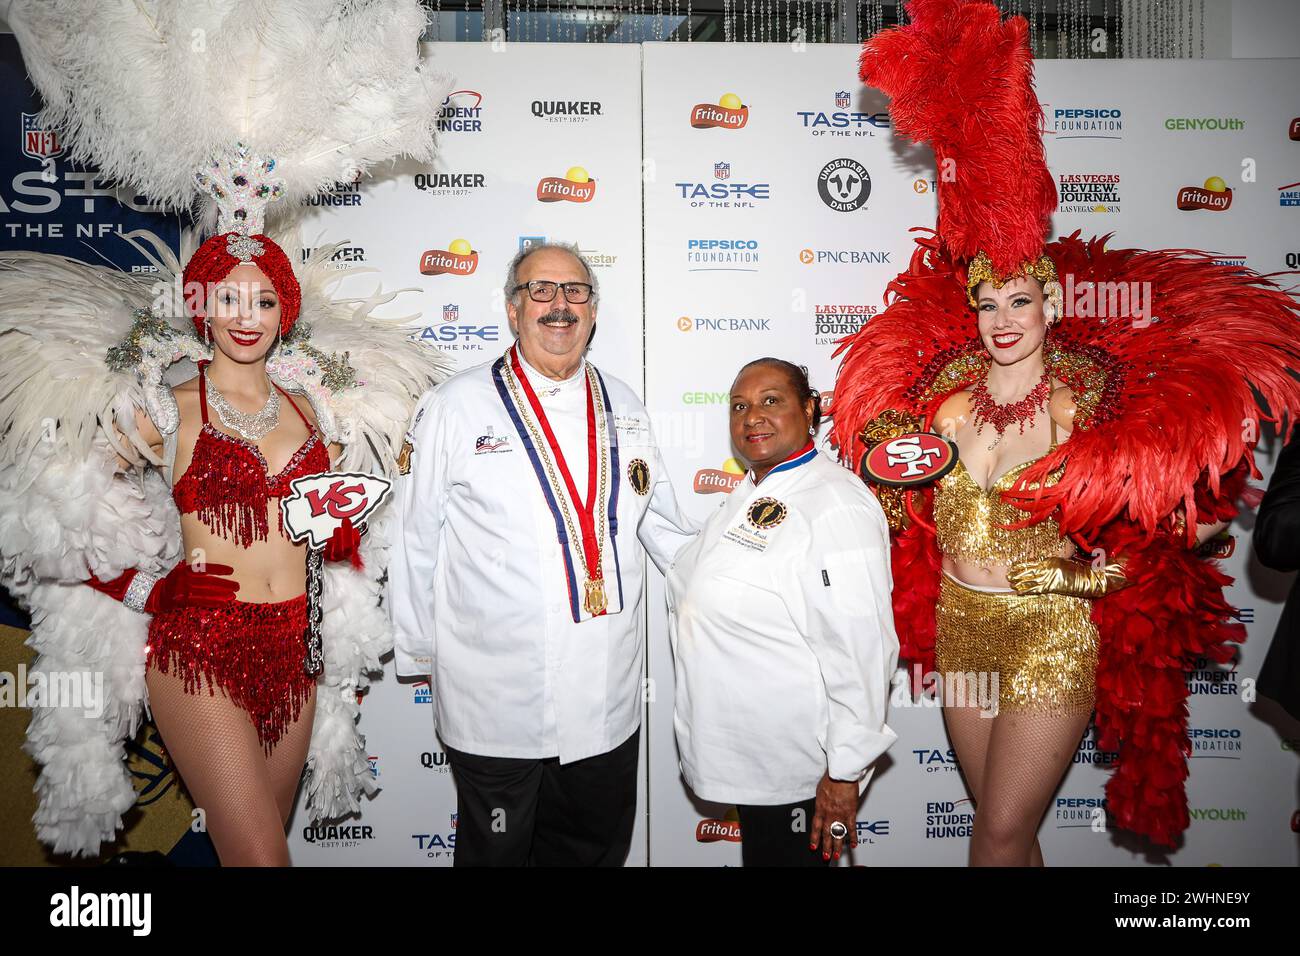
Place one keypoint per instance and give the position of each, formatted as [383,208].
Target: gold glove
[1063,576]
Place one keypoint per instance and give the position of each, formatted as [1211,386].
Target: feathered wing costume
[327,90]
[1166,421]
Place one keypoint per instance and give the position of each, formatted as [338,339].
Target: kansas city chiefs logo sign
[319,504]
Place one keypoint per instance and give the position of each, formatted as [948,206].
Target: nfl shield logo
[722,170]
[455,819]
[38,142]
[842,99]
[450,312]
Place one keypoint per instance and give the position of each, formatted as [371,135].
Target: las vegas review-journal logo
[565,111]
[724,192]
[40,142]
[833,322]
[842,121]
[576,185]
[844,184]
[461,112]
[458,259]
[722,255]
[727,113]
[449,184]
[701,323]
[1088,192]
[1214,196]
[1085,122]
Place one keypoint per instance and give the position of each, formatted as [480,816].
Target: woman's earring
[811,430]
[207,330]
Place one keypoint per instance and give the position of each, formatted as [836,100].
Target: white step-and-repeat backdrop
[743,200]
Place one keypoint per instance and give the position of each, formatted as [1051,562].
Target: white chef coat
[477,589]
[783,637]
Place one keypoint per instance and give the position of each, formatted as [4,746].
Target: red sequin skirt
[255,652]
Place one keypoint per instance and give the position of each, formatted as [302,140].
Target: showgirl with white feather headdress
[251,656]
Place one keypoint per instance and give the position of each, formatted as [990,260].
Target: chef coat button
[554,607]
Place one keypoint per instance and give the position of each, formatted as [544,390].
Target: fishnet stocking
[247,796]
[1013,763]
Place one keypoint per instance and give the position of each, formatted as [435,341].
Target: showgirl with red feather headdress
[1100,449]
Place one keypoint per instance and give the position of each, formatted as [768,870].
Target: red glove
[182,587]
[345,544]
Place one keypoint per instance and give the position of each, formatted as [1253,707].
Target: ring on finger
[838,830]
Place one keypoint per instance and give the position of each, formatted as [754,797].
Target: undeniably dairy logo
[461,112]
[842,121]
[722,255]
[575,186]
[710,481]
[844,184]
[1214,196]
[1088,192]
[1085,122]
[727,113]
[458,259]
[565,111]
[833,322]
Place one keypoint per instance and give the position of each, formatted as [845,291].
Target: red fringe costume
[1166,421]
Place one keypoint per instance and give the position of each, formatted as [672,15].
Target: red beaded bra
[227,482]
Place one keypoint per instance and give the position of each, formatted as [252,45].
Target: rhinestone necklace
[1001,417]
[251,425]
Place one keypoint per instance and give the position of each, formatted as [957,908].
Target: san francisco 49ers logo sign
[916,458]
[766,513]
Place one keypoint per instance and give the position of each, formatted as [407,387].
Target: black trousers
[519,812]
[775,836]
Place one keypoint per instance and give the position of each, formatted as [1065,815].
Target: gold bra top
[968,519]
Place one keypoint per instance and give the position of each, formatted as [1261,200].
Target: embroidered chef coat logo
[404,456]
[490,444]
[638,473]
[766,513]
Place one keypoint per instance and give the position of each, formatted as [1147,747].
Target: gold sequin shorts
[1040,648]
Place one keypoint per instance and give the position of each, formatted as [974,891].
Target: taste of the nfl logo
[39,142]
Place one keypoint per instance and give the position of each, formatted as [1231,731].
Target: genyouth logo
[842,121]
[1090,122]
[458,259]
[722,255]
[461,112]
[575,186]
[1200,123]
[728,113]
[844,184]
[1214,196]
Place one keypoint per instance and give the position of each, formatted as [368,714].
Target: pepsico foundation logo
[1214,196]
[716,831]
[710,481]
[575,186]
[729,113]
[458,259]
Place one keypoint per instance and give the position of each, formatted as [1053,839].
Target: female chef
[783,633]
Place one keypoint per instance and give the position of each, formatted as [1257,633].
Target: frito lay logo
[911,459]
[319,503]
[1294,131]
[710,480]
[729,113]
[714,831]
[1215,196]
[576,186]
[458,259]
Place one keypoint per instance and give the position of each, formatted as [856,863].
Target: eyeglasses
[543,290]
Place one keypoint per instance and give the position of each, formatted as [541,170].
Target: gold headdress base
[1043,269]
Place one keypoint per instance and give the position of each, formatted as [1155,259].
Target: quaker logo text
[844,184]
[565,111]
[842,121]
[461,112]
[724,192]
[39,142]
[833,322]
[1086,122]
[338,836]
[845,257]
[343,255]
[435,760]
[1089,192]
[1292,260]
[449,184]
[728,113]
[1214,196]
[722,255]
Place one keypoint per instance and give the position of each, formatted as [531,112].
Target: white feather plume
[147,90]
